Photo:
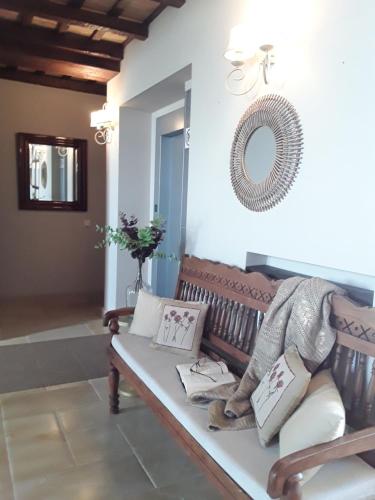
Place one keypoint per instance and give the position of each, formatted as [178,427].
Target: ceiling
[71,44]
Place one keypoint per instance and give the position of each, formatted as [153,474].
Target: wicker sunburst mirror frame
[280,116]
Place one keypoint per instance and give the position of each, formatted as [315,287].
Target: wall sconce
[102,120]
[241,79]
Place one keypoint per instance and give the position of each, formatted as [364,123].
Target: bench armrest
[295,463]
[115,313]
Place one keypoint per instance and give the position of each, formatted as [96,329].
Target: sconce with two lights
[102,120]
[252,64]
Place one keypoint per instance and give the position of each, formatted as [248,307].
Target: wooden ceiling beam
[44,8]
[115,10]
[98,35]
[76,3]
[60,54]
[26,19]
[39,78]
[14,33]
[63,27]
[17,56]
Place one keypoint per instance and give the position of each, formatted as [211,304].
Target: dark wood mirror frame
[24,199]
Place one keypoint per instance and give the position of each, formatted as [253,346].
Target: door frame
[154,117]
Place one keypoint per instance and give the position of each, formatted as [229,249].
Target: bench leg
[113,381]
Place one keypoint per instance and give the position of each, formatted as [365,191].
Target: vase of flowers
[132,290]
[141,243]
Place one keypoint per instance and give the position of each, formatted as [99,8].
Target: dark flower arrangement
[140,242]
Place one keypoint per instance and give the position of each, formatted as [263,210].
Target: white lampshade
[240,47]
[101,118]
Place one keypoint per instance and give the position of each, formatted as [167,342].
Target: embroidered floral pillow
[181,327]
[279,393]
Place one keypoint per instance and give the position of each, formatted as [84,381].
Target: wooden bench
[238,301]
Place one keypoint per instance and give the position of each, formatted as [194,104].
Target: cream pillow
[181,327]
[174,325]
[319,419]
[279,393]
[147,315]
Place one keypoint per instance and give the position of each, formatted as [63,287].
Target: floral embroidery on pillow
[177,328]
[275,383]
[270,390]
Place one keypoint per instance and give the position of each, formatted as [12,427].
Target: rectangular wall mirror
[52,172]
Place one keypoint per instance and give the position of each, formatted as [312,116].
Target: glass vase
[133,289]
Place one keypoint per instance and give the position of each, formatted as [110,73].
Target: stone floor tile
[6,487]
[44,401]
[100,386]
[14,341]
[68,385]
[142,428]
[72,395]
[166,463]
[125,389]
[120,480]
[35,457]
[97,443]
[9,395]
[198,488]
[96,327]
[45,313]
[42,427]
[95,415]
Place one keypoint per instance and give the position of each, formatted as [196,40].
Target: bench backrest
[238,301]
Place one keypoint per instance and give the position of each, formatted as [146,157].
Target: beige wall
[46,252]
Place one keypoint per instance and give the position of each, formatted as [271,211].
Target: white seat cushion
[238,453]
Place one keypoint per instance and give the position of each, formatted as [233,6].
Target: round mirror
[260,154]
[266,152]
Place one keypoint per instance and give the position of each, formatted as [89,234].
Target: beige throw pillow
[147,315]
[174,325]
[279,393]
[181,327]
[319,419]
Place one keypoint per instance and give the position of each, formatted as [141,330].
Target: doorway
[170,199]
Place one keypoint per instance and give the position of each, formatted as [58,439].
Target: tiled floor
[59,443]
[84,329]
[25,316]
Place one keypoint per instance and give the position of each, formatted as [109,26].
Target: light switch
[87,222]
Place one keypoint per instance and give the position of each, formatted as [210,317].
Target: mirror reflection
[260,154]
[53,173]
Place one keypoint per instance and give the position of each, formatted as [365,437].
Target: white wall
[135,153]
[44,252]
[326,217]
